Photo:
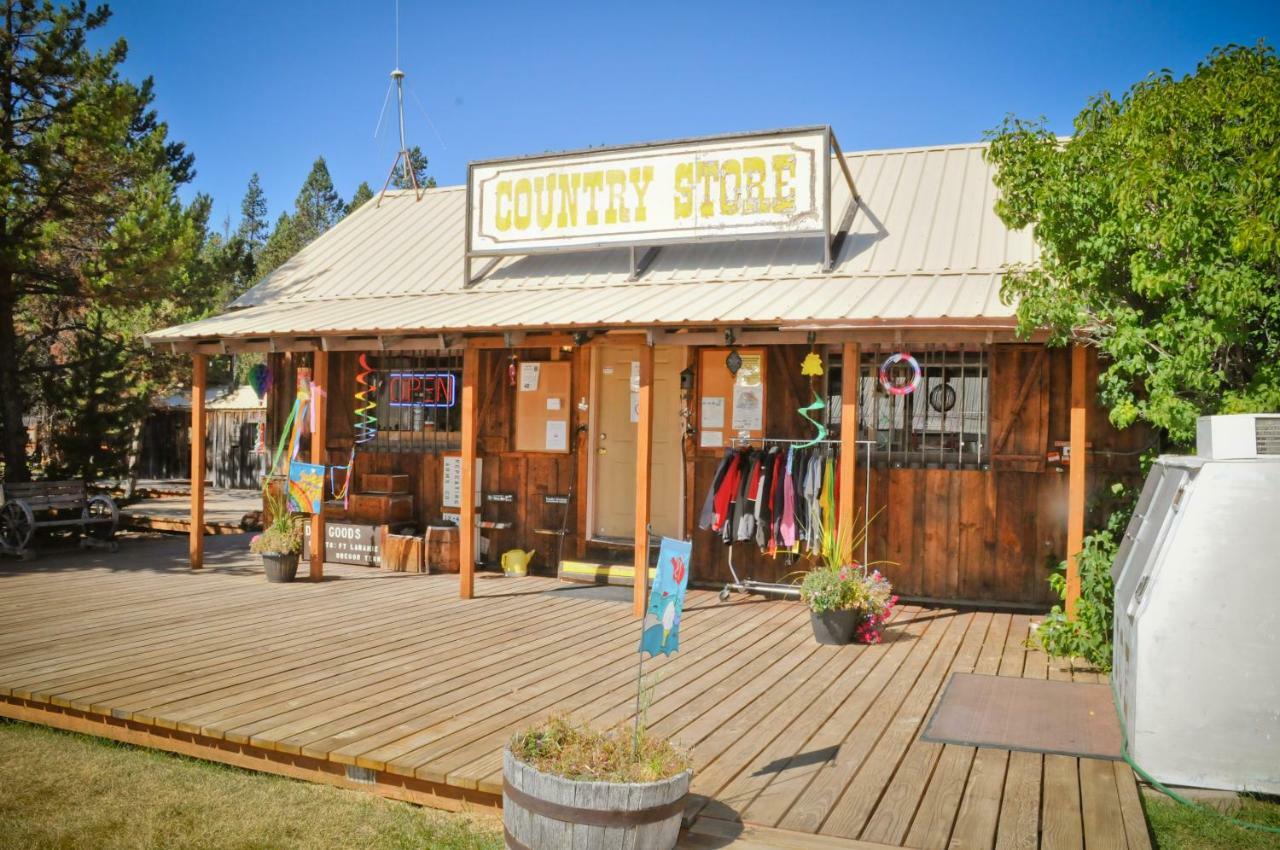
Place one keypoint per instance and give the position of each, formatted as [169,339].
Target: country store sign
[729,187]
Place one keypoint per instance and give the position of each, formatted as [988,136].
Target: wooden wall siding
[232,462]
[980,535]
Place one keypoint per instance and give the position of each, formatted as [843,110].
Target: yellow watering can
[515,562]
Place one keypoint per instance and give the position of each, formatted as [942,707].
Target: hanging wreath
[893,387]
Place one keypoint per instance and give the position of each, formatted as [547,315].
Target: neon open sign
[421,389]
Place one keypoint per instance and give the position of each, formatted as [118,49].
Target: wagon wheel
[100,516]
[17,525]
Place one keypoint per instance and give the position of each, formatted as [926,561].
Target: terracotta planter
[835,627]
[541,811]
[280,566]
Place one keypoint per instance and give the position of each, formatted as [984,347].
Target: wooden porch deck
[389,682]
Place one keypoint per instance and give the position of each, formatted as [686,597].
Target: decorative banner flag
[306,487]
[666,598]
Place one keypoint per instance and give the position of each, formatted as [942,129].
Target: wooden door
[613,442]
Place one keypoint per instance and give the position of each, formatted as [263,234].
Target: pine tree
[318,206]
[89,218]
[418,162]
[363,195]
[282,244]
[254,229]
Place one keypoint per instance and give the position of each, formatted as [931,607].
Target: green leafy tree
[254,228]
[88,214]
[363,195]
[418,164]
[1159,227]
[318,206]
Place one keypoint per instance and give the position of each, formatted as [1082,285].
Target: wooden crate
[377,482]
[403,553]
[380,508]
[442,548]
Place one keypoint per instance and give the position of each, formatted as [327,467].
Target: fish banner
[666,598]
[306,487]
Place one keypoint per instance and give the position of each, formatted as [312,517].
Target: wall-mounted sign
[499,497]
[421,389]
[727,187]
[346,543]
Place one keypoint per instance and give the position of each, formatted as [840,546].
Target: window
[940,425]
[416,400]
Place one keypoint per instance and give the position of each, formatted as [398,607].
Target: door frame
[593,395]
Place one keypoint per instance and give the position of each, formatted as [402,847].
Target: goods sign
[729,187]
[347,543]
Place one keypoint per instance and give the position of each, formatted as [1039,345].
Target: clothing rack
[791,591]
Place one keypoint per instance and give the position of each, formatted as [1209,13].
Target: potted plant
[630,788]
[846,600]
[280,540]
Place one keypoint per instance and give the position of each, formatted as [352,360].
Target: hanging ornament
[511,370]
[260,379]
[734,362]
[942,398]
[366,422]
[891,384]
[812,365]
[816,406]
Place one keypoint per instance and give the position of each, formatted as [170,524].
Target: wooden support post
[1076,473]
[847,498]
[319,454]
[644,478]
[467,509]
[195,546]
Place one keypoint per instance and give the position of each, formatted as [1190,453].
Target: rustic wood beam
[195,544]
[319,454]
[467,507]
[644,478]
[846,499]
[1076,473]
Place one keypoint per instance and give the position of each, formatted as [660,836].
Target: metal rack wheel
[17,525]
[101,517]
[724,594]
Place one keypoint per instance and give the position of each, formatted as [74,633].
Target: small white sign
[713,411]
[553,404]
[451,481]
[711,439]
[529,373]
[748,408]
[557,435]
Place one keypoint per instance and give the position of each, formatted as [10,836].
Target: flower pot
[541,811]
[280,566]
[835,627]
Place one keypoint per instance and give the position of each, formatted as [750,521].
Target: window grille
[417,398]
[943,424]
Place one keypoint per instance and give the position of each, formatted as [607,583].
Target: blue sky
[267,86]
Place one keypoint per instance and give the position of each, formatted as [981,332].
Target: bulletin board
[542,406]
[730,405]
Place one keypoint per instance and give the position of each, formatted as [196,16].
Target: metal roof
[925,247]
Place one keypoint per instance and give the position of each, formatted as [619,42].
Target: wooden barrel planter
[541,811]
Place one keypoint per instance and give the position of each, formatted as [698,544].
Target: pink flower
[254,539]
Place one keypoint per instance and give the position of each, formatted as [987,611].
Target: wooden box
[442,548]
[403,553]
[380,509]
[377,482]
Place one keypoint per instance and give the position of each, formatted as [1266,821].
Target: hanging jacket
[707,516]
[728,489]
[787,527]
[764,524]
[744,513]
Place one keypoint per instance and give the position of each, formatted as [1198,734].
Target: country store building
[563,352]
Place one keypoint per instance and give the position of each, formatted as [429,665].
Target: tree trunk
[13,434]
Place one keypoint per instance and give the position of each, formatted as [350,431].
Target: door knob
[602,451]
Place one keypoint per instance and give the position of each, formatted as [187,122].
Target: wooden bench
[25,507]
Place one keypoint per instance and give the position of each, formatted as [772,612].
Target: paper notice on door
[711,439]
[553,404]
[557,435]
[748,408]
[529,373]
[713,411]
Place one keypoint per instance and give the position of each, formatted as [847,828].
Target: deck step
[599,572]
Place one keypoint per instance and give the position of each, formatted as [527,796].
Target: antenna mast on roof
[402,157]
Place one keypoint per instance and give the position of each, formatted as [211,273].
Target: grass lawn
[60,790]
[1177,827]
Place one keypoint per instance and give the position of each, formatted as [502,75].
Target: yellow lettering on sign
[616,179]
[524,192]
[593,182]
[729,202]
[569,186]
[641,178]
[684,190]
[501,217]
[544,210]
[708,171]
[753,188]
[784,201]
